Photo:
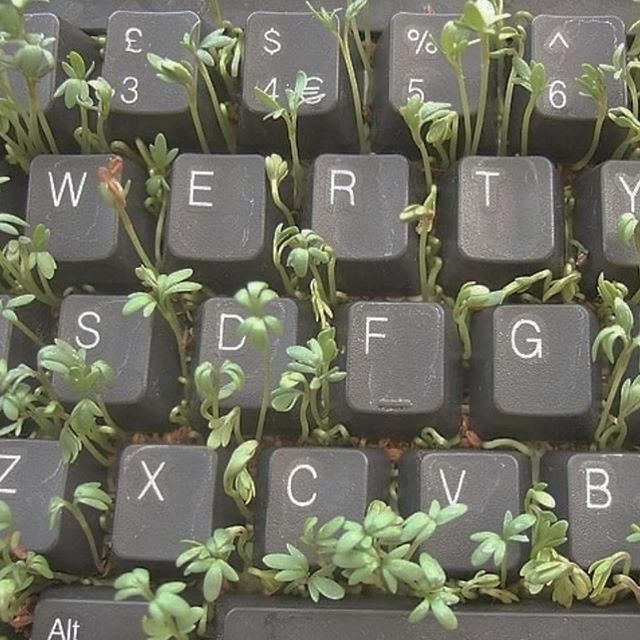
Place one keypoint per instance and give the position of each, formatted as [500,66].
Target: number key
[564,117]
[278,46]
[409,63]
[142,102]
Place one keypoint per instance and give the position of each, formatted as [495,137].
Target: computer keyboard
[319,322]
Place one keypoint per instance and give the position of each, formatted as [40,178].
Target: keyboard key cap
[12,193]
[602,195]
[87,239]
[598,494]
[499,218]
[395,383]
[15,347]
[143,103]
[93,16]
[76,613]
[300,483]
[356,204]
[66,38]
[563,121]
[531,372]
[263,618]
[156,508]
[275,52]
[31,474]
[221,220]
[488,483]
[140,350]
[408,63]
[217,340]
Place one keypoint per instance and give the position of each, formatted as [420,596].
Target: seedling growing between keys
[77,93]
[289,115]
[89,494]
[379,552]
[31,58]
[532,77]
[618,343]
[308,382]
[258,327]
[23,574]
[214,384]
[212,559]
[343,32]
[169,614]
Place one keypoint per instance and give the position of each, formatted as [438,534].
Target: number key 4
[278,46]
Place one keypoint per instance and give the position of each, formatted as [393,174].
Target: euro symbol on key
[311,94]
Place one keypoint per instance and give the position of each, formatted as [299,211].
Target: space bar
[240,618]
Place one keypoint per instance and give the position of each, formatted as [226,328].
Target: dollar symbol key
[273,45]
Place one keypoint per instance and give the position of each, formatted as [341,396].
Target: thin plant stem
[526,124]
[217,13]
[315,410]
[453,143]
[27,331]
[318,278]
[297,172]
[331,279]
[466,109]
[77,513]
[227,131]
[266,393]
[100,130]
[44,123]
[422,264]
[160,222]
[197,122]
[504,571]
[619,370]
[133,235]
[595,140]
[355,90]
[442,152]
[33,127]
[282,207]
[633,89]
[84,131]
[364,57]
[621,149]
[424,155]
[506,114]
[485,45]
[304,420]
[171,317]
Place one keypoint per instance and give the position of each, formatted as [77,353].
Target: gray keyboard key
[76,613]
[300,483]
[395,383]
[217,340]
[356,204]
[499,218]
[488,483]
[564,118]
[31,474]
[143,102]
[263,618]
[156,509]
[278,45]
[602,195]
[87,239]
[141,351]
[221,220]
[93,16]
[408,63]
[531,372]
[597,493]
